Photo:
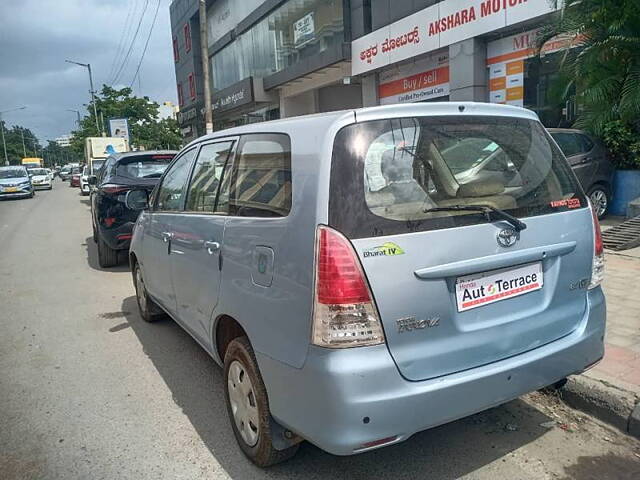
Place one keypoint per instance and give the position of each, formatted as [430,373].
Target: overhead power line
[146,44]
[128,24]
[133,41]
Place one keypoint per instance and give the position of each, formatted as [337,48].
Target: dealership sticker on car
[484,288]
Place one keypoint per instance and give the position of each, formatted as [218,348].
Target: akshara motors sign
[438,26]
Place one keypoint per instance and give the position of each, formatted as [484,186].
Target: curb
[604,401]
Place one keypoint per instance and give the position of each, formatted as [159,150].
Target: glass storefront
[296,30]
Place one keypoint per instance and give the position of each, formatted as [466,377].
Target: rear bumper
[118,238]
[42,186]
[327,400]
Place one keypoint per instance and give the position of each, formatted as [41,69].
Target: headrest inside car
[480,189]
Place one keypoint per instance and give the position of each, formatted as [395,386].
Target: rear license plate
[489,287]
[11,189]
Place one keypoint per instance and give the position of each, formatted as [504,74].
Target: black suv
[111,219]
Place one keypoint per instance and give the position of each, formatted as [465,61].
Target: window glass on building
[297,30]
[187,37]
[171,192]
[192,87]
[176,50]
[261,179]
[206,177]
[180,95]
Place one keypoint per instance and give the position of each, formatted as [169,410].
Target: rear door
[455,289]
[167,204]
[198,237]
[578,154]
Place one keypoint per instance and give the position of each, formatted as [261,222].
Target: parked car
[112,221]
[353,290]
[75,177]
[40,178]
[15,182]
[590,161]
[84,181]
[65,173]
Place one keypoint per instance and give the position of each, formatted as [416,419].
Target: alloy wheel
[243,403]
[599,201]
[140,291]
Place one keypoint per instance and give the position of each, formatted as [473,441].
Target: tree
[54,154]
[146,130]
[13,138]
[604,70]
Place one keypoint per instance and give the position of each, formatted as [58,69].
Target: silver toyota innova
[367,274]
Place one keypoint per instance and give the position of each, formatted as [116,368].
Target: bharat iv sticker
[388,249]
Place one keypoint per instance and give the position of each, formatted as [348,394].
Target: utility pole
[93,97]
[24,149]
[4,143]
[204,53]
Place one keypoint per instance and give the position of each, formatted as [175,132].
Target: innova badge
[507,237]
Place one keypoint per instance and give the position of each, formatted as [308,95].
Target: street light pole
[77,113]
[93,96]
[24,149]
[4,143]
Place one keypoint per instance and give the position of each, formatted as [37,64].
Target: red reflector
[376,443]
[599,247]
[109,221]
[110,188]
[162,157]
[124,236]
[340,277]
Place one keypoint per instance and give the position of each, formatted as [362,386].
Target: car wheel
[95,234]
[600,198]
[248,406]
[149,310]
[107,256]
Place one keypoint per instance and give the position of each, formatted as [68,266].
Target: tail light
[597,268]
[113,188]
[344,313]
[108,221]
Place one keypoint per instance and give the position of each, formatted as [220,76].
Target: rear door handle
[212,247]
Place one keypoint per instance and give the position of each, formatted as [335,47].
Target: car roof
[12,167]
[324,121]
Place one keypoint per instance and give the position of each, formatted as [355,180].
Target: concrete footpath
[611,390]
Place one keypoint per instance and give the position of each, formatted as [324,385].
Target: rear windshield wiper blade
[486,209]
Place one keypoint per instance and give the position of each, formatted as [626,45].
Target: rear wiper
[486,209]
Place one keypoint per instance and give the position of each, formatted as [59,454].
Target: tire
[149,310]
[107,256]
[95,234]
[600,198]
[255,441]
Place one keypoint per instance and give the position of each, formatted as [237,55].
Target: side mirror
[92,180]
[137,199]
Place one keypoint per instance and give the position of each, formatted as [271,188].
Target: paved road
[88,390]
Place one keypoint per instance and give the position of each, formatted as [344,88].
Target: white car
[84,181]
[41,179]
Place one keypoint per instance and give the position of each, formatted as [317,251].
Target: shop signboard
[119,127]
[417,81]
[304,30]
[440,25]
[505,59]
[238,94]
[187,115]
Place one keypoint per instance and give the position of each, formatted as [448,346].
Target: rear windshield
[386,173]
[144,166]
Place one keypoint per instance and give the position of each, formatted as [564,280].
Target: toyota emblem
[507,237]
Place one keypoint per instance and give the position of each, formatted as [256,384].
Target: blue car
[15,183]
[355,288]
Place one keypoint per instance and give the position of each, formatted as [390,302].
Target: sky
[37,36]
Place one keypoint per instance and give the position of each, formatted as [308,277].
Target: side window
[105,168]
[206,177]
[568,143]
[261,181]
[170,193]
[586,143]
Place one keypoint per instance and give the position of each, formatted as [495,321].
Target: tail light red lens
[344,312]
[597,268]
[108,221]
[124,236]
[112,188]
